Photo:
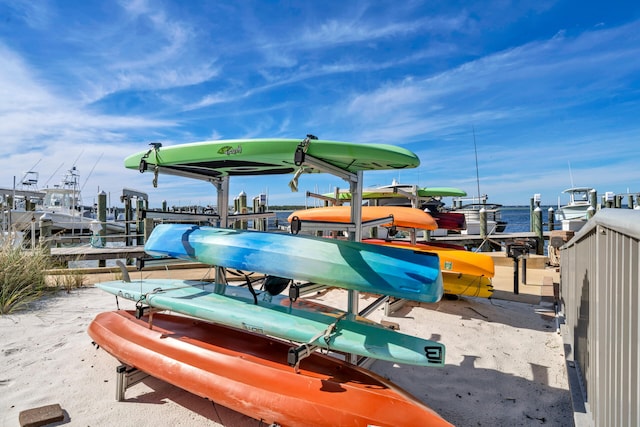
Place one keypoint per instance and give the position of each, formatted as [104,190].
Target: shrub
[22,277]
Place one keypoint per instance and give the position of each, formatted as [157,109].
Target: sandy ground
[504,366]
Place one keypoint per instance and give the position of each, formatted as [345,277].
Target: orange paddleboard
[249,373]
[403,216]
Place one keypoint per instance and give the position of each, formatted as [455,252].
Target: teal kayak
[301,321]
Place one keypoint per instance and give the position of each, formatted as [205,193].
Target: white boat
[471,207]
[63,206]
[578,206]
[575,214]
[428,199]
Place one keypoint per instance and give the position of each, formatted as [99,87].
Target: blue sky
[551,90]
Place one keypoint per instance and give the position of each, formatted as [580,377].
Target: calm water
[518,218]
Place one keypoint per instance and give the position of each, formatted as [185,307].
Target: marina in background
[128,246]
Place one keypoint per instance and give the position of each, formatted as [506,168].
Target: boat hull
[450,220]
[346,264]
[573,212]
[249,373]
[474,228]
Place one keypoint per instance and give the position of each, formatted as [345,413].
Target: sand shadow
[160,392]
[506,400]
[489,310]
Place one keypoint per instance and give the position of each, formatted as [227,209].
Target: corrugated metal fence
[600,271]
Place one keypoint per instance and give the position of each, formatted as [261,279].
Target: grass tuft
[73,279]
[22,277]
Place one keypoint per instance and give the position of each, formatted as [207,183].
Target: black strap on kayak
[236,272]
[253,292]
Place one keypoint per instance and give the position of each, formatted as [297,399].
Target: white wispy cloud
[531,79]
[39,122]
[20,90]
[139,47]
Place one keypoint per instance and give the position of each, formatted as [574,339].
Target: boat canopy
[578,190]
[391,192]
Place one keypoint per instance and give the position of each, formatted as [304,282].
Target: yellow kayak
[463,272]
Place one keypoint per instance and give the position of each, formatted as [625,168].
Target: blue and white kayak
[413,275]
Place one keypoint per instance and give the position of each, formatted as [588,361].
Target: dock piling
[45,232]
[537,229]
[483,230]
[518,251]
[102,217]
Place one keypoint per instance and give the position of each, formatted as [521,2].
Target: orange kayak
[249,373]
[463,272]
[403,216]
